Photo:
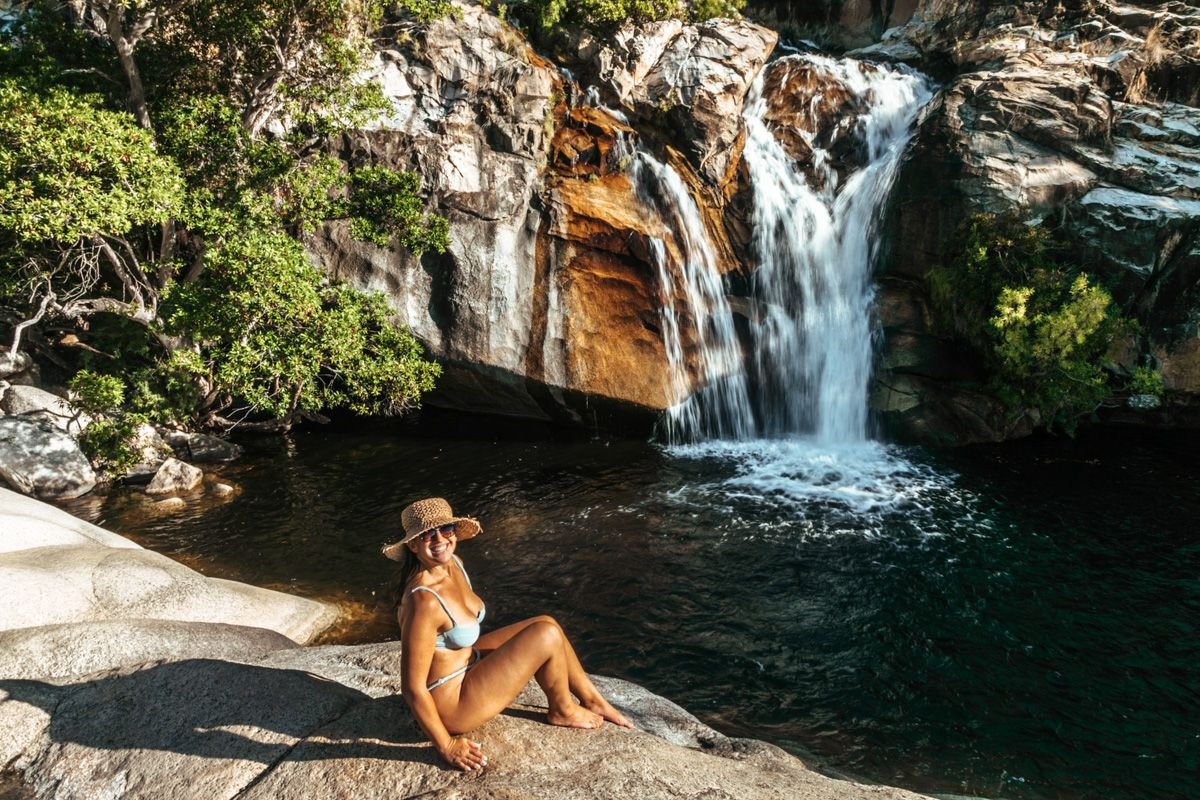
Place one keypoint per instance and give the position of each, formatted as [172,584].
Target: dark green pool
[1017,621]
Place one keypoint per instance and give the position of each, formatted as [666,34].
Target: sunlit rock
[174,476]
[38,458]
[35,403]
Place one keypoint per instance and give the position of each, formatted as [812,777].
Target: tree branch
[20,327]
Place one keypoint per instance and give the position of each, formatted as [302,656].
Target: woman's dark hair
[409,567]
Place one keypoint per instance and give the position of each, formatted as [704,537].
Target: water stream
[816,235]
[815,229]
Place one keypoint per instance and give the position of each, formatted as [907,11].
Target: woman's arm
[418,623]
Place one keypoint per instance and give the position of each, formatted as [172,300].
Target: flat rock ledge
[141,707]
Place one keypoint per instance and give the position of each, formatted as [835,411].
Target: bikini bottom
[460,671]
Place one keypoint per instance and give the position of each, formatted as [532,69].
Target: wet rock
[174,476]
[170,505]
[222,489]
[201,448]
[30,401]
[38,458]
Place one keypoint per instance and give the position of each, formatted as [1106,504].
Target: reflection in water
[904,617]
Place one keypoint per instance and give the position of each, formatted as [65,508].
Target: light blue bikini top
[462,634]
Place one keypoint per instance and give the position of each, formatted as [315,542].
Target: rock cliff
[547,303]
[1080,117]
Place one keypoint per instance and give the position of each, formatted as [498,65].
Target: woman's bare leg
[536,651]
[577,679]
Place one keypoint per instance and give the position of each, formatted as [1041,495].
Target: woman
[456,679]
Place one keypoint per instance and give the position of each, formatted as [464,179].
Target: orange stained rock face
[611,316]
[604,214]
[586,143]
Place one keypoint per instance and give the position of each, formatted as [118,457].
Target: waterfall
[815,237]
[721,408]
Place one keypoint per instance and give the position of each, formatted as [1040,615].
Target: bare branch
[20,327]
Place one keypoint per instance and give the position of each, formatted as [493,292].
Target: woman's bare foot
[605,709]
[575,717]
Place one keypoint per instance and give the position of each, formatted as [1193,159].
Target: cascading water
[721,408]
[815,237]
[801,408]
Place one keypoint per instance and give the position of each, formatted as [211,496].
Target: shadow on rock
[222,710]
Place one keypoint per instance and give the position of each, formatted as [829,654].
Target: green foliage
[1043,327]
[384,204]
[275,339]
[427,11]
[607,15]
[270,58]
[369,365]
[704,10]
[109,443]
[189,226]
[1146,380]
[70,170]
[94,393]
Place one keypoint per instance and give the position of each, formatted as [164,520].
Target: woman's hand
[461,752]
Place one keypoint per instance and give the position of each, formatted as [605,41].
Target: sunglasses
[446,530]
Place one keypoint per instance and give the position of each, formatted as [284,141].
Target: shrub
[1146,380]
[108,441]
[1042,326]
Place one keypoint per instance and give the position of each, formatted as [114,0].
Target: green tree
[77,183]
[607,15]
[1042,326]
[185,218]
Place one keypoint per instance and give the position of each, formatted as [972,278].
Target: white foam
[803,487]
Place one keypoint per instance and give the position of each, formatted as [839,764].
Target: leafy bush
[1146,380]
[93,393]
[108,441]
[274,338]
[1043,327]
[384,204]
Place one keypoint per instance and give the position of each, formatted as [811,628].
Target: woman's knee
[546,633]
[548,619]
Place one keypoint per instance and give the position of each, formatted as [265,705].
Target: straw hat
[424,515]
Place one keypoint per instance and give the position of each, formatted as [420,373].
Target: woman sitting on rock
[456,679]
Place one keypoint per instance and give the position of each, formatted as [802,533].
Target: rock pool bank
[169,684]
